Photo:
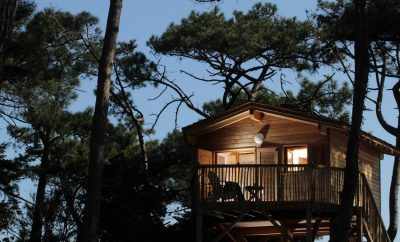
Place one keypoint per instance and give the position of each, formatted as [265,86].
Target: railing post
[312,168]
[202,192]
[360,225]
[197,210]
[280,183]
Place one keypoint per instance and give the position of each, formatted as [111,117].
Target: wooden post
[198,225]
[238,237]
[309,224]
[330,229]
[279,173]
[360,226]
[310,232]
[197,213]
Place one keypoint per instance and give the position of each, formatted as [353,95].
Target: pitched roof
[239,112]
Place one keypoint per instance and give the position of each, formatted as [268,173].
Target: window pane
[226,158]
[297,155]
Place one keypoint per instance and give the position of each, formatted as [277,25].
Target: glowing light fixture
[259,139]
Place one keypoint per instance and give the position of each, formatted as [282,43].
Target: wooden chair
[224,191]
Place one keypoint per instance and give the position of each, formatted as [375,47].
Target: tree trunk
[394,185]
[99,123]
[8,8]
[394,192]
[342,222]
[37,217]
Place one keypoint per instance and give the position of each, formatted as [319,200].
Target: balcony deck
[285,189]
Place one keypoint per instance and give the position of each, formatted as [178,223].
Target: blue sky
[141,19]
[151,17]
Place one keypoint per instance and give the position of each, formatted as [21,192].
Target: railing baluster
[285,183]
[201,184]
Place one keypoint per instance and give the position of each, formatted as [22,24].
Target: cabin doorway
[241,161]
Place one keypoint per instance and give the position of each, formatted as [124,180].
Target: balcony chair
[224,191]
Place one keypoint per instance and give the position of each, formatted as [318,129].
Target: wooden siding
[280,132]
[204,157]
[238,135]
[284,131]
[369,159]
[268,155]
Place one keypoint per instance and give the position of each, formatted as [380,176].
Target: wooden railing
[279,184]
[372,219]
[274,183]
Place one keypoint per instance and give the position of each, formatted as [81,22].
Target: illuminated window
[296,155]
[239,156]
[226,158]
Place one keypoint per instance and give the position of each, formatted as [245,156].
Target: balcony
[285,189]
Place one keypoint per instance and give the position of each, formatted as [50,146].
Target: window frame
[237,153]
[285,153]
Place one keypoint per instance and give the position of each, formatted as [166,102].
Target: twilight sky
[141,19]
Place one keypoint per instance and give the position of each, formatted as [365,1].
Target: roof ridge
[307,116]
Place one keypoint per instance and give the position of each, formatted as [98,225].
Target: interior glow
[226,158]
[297,156]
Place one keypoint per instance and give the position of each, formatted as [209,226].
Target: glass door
[296,178]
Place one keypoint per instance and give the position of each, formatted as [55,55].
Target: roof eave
[242,111]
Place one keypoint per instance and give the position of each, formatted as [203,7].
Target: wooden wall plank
[241,134]
[369,158]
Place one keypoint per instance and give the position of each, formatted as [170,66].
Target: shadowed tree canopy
[325,98]
[47,46]
[139,213]
[383,17]
[50,50]
[243,51]
[132,70]
[13,15]
[9,175]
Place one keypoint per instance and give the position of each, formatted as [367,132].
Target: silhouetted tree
[383,39]
[244,51]
[341,224]
[9,197]
[97,140]
[323,98]
[47,47]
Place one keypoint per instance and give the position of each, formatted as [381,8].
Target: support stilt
[199,226]
[309,225]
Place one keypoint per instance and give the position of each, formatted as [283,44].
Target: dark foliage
[135,199]
[244,51]
[323,98]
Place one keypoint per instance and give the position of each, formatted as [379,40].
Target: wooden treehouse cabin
[274,174]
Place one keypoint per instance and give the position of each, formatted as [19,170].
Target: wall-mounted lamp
[260,136]
[259,139]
